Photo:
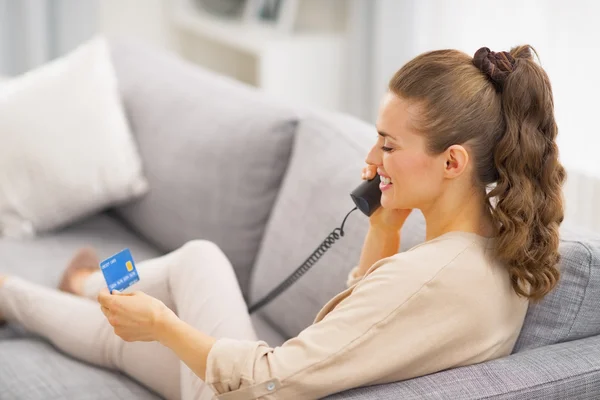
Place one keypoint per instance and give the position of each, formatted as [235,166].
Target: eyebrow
[384,134]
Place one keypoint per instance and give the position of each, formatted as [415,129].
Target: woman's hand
[138,317]
[382,218]
[135,317]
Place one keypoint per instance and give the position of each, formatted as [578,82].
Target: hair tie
[497,66]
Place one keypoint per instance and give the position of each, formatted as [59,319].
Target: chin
[390,202]
[387,203]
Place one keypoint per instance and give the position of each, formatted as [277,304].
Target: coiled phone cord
[302,269]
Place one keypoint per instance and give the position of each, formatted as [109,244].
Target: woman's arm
[379,243]
[383,237]
[189,344]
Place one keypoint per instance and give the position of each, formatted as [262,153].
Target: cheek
[414,178]
[407,167]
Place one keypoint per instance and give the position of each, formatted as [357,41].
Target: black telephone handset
[367,197]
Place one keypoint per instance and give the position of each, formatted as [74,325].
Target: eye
[386,149]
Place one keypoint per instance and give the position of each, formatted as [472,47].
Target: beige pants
[196,281]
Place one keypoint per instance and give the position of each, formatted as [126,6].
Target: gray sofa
[268,182]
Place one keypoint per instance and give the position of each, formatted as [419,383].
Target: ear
[456,159]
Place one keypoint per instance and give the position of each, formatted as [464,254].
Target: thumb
[372,171]
[119,293]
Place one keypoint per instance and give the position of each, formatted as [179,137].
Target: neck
[458,213]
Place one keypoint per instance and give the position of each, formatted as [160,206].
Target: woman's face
[415,178]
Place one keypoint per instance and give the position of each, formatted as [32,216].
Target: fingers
[109,316]
[369,172]
[105,311]
[104,298]
[119,293]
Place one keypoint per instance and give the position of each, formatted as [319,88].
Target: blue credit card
[119,271]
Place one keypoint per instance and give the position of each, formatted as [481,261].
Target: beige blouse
[442,304]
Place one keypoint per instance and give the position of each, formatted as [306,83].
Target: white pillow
[66,150]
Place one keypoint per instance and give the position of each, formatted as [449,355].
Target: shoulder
[450,262]
[453,272]
[451,249]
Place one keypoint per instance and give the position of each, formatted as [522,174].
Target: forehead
[397,115]
[395,111]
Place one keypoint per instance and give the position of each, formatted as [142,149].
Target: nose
[374,157]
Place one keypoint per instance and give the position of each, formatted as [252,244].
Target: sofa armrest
[562,371]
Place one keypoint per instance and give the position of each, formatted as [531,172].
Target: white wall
[73,21]
[567,38]
[32,32]
[394,43]
[565,34]
[146,20]
[359,59]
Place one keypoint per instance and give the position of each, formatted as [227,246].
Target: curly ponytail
[528,192]
[501,105]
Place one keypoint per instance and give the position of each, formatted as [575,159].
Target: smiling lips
[385,180]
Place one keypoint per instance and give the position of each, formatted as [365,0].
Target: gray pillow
[570,311]
[214,152]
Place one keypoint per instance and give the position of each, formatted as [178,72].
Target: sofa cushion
[214,152]
[32,370]
[570,310]
[328,156]
[565,371]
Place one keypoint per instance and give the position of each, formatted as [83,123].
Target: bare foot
[2,279]
[84,263]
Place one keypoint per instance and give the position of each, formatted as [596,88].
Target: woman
[450,127]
